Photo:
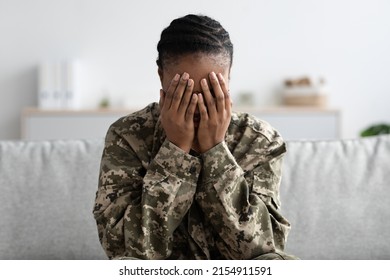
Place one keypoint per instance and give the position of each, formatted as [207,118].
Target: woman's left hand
[215,112]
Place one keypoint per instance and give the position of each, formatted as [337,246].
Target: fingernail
[185,76]
[176,78]
[204,82]
[190,82]
[220,76]
[213,76]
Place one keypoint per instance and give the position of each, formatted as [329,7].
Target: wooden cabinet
[292,122]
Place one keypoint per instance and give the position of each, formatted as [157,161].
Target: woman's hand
[215,112]
[177,107]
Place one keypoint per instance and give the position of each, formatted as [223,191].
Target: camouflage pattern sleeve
[138,207]
[239,195]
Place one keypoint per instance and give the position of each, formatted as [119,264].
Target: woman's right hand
[177,107]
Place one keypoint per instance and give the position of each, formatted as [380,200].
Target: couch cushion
[47,195]
[336,194]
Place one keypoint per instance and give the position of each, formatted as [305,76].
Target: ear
[160,74]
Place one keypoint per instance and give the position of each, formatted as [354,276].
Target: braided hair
[193,34]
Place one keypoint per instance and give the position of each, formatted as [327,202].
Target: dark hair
[193,34]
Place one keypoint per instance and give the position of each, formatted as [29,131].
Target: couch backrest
[47,196]
[336,194]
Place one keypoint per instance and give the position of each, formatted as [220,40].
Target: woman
[187,178]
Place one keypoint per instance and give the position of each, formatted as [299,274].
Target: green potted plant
[376,129]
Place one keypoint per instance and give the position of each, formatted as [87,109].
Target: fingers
[179,95]
[218,93]
[179,100]
[225,90]
[217,99]
[176,90]
[202,108]
[207,98]
[186,97]
[169,93]
[191,107]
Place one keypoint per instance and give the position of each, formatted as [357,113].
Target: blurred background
[313,69]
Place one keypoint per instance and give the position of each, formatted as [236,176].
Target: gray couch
[336,195]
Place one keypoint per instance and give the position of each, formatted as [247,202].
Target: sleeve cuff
[217,160]
[175,161]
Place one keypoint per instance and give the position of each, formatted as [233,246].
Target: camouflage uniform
[154,201]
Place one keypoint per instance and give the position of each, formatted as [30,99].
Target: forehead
[199,65]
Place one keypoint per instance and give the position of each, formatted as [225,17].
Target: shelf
[291,121]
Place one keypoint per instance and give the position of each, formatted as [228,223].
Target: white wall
[347,42]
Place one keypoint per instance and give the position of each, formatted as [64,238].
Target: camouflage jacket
[154,201]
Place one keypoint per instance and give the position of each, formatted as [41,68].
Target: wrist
[184,147]
[208,146]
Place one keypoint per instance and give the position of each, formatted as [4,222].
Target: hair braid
[193,34]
